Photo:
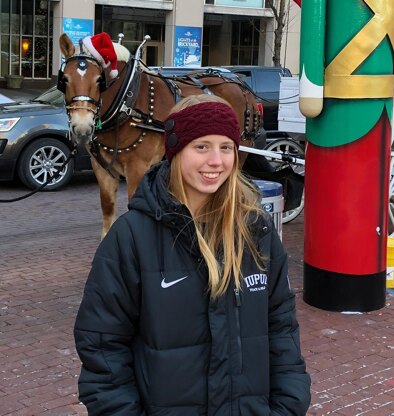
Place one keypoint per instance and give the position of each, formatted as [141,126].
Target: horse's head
[81,79]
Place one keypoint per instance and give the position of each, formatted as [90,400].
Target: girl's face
[205,163]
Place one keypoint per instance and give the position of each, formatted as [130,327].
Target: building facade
[182,32]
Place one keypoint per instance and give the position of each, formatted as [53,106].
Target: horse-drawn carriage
[120,120]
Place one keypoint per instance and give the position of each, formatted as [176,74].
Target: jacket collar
[153,198]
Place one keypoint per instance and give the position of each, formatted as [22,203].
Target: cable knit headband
[197,121]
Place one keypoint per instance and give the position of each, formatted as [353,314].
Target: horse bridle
[83,63]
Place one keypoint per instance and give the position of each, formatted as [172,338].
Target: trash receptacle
[272,201]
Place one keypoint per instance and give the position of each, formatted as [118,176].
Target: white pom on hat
[102,48]
[113,73]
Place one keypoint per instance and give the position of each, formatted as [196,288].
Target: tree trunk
[279,9]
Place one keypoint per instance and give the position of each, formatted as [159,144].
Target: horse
[121,121]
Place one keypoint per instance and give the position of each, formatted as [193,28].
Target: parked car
[5,100]
[265,82]
[33,142]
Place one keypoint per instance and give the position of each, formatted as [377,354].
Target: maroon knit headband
[197,121]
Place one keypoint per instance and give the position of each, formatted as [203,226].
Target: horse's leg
[108,188]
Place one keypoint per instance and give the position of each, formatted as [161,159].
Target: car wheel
[40,160]
[292,148]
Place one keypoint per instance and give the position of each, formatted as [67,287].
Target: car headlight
[6,124]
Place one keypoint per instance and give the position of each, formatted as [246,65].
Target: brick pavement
[350,356]
[47,243]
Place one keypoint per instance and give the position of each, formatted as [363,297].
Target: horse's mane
[122,53]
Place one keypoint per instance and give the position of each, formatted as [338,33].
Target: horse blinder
[102,82]
[61,79]
[61,82]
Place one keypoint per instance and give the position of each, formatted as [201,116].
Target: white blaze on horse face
[81,72]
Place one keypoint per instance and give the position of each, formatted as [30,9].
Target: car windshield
[52,96]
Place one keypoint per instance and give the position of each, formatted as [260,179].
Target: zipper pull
[237,297]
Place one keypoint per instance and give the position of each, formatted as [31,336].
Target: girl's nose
[215,157]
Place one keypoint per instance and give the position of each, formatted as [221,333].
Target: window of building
[134,24]
[206,33]
[245,42]
[26,32]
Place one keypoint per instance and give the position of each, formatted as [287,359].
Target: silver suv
[34,143]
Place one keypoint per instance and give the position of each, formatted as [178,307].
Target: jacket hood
[153,199]
[152,196]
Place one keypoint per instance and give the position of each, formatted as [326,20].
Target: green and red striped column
[346,93]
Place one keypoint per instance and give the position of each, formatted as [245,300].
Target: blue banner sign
[187,46]
[77,28]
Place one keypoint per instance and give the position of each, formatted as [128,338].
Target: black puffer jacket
[153,343]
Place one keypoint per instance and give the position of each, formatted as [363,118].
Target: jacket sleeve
[289,381]
[105,326]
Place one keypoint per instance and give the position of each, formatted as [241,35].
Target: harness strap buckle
[125,109]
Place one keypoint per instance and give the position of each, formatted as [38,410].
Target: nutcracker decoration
[346,93]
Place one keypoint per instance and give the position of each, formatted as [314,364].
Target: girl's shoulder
[260,223]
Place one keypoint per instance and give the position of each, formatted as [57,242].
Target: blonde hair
[223,223]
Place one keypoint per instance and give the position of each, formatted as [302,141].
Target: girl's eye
[201,146]
[228,147]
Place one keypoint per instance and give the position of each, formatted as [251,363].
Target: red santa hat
[102,48]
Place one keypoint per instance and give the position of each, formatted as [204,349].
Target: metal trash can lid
[268,188]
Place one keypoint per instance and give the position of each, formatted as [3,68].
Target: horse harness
[123,106]
[146,121]
[83,62]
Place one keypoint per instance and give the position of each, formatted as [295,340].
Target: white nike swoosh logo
[165,285]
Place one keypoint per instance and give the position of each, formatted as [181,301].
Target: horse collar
[126,149]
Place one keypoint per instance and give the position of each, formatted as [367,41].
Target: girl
[187,310]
